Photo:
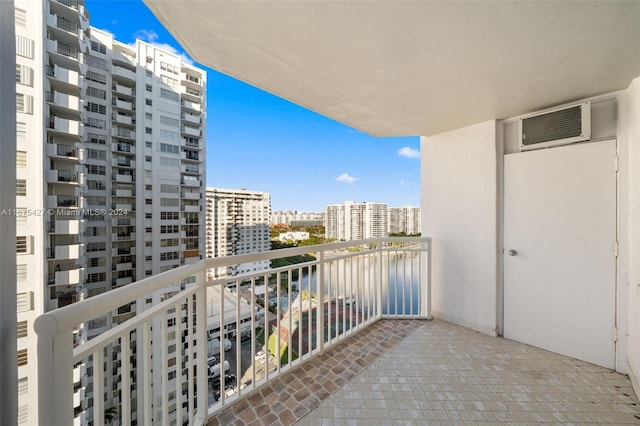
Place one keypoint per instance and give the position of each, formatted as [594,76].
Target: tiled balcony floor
[418,372]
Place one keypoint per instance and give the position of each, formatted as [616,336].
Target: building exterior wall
[95,118]
[629,273]
[287,217]
[334,217]
[405,220]
[459,211]
[237,223]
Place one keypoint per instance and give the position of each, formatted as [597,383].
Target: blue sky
[261,142]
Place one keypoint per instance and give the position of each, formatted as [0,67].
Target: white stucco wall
[459,211]
[630,259]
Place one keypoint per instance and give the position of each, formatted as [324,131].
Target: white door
[559,259]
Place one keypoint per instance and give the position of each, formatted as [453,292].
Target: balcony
[66,227]
[122,178]
[193,106]
[62,23]
[123,119]
[124,266]
[190,195]
[123,90]
[192,118]
[64,126]
[63,76]
[191,131]
[123,133]
[62,176]
[350,344]
[64,151]
[122,104]
[68,252]
[62,201]
[338,293]
[63,101]
[71,277]
[124,73]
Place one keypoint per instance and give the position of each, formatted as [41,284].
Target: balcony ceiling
[414,68]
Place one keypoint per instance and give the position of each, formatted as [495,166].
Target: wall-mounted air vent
[558,127]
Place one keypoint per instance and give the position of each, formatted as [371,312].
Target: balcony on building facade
[62,48]
[63,201]
[64,151]
[63,126]
[124,73]
[354,285]
[121,192]
[63,176]
[73,4]
[63,101]
[63,23]
[121,89]
[125,58]
[191,118]
[123,236]
[191,131]
[123,133]
[190,195]
[191,105]
[61,76]
[71,277]
[66,251]
[123,266]
[122,104]
[123,119]
[191,182]
[119,177]
[66,227]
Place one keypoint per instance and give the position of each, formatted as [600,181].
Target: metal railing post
[201,346]
[319,301]
[55,381]
[379,281]
[425,279]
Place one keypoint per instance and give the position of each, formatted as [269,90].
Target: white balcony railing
[340,289]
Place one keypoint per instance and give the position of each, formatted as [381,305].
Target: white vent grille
[558,127]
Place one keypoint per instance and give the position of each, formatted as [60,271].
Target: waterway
[355,280]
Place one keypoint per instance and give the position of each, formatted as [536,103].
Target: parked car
[262,356]
[214,370]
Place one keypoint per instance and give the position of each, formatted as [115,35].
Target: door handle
[513,252]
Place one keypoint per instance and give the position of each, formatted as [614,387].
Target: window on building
[22,357]
[94,92]
[22,329]
[24,103]
[23,245]
[96,77]
[98,47]
[21,159]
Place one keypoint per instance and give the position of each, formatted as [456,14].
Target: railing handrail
[69,316]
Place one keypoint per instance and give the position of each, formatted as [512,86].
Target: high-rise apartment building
[110,171]
[237,223]
[404,220]
[293,218]
[356,221]
[334,221]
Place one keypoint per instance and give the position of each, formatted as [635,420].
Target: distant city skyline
[260,142]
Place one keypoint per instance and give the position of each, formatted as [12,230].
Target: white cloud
[146,35]
[346,178]
[404,182]
[409,152]
[151,37]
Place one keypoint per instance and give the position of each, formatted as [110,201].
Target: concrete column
[8,346]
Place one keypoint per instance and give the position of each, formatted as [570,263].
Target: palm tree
[110,414]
